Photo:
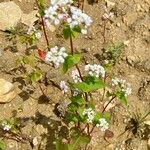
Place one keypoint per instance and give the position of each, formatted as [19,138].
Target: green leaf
[70,61]
[79,141]
[67,32]
[61,146]
[77,99]
[70,117]
[19,61]
[89,84]
[121,96]
[30,60]
[77,29]
[2,145]
[36,76]
[96,118]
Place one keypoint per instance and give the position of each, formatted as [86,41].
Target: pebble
[35,141]
[7,91]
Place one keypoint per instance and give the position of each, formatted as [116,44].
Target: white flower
[125,87]
[103,124]
[63,87]
[62,11]
[90,114]
[38,35]
[56,56]
[6,126]
[75,76]
[95,70]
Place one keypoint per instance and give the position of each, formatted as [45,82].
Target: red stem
[43,25]
[109,103]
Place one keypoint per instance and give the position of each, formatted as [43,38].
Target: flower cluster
[103,124]
[125,87]
[90,114]
[6,126]
[33,31]
[75,76]
[95,70]
[62,11]
[63,87]
[56,56]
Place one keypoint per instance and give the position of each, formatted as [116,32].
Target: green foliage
[41,4]
[20,32]
[68,32]
[101,115]
[113,52]
[34,74]
[29,59]
[121,96]
[31,39]
[89,84]
[14,123]
[2,145]
[70,61]
[78,141]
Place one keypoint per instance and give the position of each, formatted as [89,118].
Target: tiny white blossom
[90,114]
[62,11]
[56,56]
[38,35]
[125,87]
[103,124]
[75,76]
[63,87]
[95,70]
[6,126]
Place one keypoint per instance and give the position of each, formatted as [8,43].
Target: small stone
[147,122]
[29,19]
[148,143]
[139,8]
[35,141]
[109,3]
[118,24]
[147,65]
[10,15]
[131,60]
[7,91]
[126,43]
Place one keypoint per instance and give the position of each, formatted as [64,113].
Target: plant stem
[82,5]
[72,52]
[104,88]
[44,30]
[78,3]
[71,45]
[104,32]
[43,25]
[92,129]
[109,103]
[41,89]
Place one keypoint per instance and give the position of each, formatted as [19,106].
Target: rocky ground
[130,25]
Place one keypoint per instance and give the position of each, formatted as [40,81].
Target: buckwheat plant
[78,111]
[11,129]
